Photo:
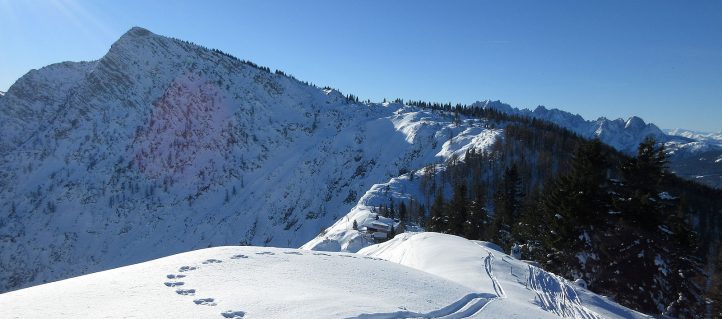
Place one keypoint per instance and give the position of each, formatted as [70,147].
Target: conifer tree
[437,222]
[457,210]
[402,211]
[506,206]
[476,218]
[392,210]
[576,202]
[642,176]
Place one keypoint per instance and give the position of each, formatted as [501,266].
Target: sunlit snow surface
[512,288]
[424,275]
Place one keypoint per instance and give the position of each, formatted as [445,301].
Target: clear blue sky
[661,60]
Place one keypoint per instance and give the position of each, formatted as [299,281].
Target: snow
[509,288]
[682,146]
[414,275]
[181,148]
[666,196]
[253,282]
[624,135]
[401,188]
[662,266]
[709,137]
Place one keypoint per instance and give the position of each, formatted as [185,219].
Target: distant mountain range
[692,155]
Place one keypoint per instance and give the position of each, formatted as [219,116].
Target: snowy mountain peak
[138,32]
[634,123]
[496,105]
[163,146]
[133,39]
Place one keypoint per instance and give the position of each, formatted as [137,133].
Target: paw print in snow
[205,302]
[233,314]
[186,292]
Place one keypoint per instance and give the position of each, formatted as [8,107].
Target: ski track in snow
[557,296]
[466,307]
[489,267]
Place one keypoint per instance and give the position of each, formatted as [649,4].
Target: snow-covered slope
[707,137]
[254,282]
[162,146]
[412,276]
[510,288]
[405,188]
[692,155]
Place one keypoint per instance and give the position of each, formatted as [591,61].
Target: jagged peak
[138,32]
[635,122]
[135,34]
[540,108]
[496,105]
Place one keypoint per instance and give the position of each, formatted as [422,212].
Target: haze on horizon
[660,60]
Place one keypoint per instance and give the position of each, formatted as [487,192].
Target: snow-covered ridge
[507,287]
[624,135]
[412,276]
[693,155]
[162,146]
[706,137]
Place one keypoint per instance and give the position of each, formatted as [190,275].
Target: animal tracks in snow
[233,314]
[321,254]
[184,272]
[205,302]
[174,283]
[186,268]
[186,292]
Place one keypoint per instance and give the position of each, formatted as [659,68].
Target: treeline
[583,210]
